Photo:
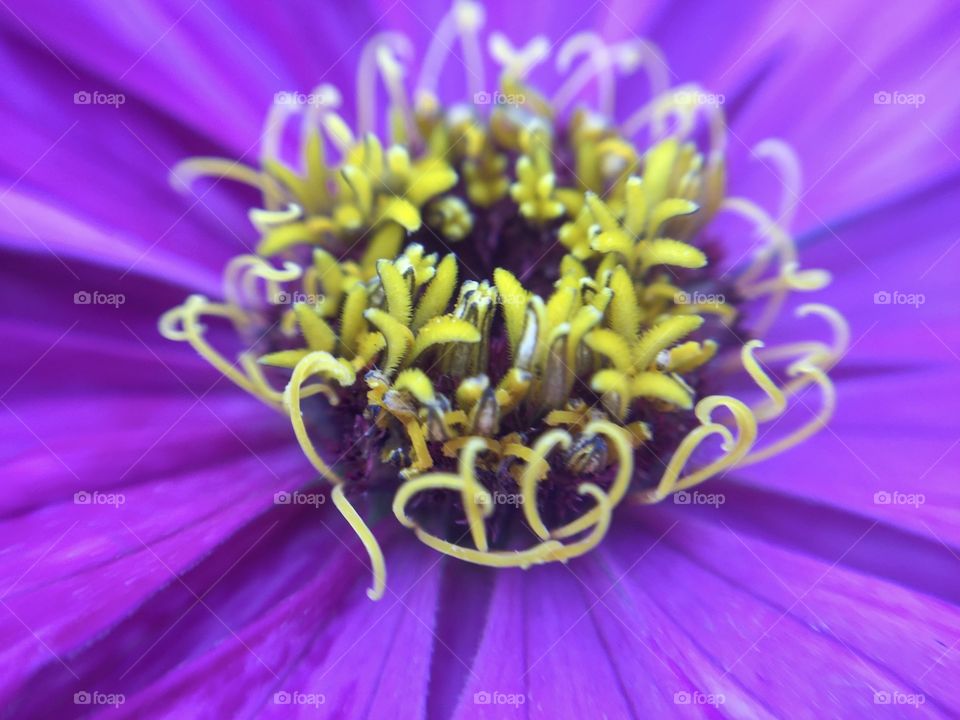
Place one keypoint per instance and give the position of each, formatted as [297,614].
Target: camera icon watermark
[885,497]
[83,497]
[95,97]
[298,498]
[885,97]
[895,297]
[85,297]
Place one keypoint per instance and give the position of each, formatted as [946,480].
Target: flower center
[506,320]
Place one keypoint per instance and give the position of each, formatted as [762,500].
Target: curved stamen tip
[367,538]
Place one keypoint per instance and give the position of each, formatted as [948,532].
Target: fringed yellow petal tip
[481,315]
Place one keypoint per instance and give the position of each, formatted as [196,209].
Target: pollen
[503,318]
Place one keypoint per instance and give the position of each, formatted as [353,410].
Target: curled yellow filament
[243,273]
[478,504]
[351,515]
[536,469]
[316,363]
[618,436]
[821,379]
[182,324]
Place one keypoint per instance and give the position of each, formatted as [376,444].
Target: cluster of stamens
[499,305]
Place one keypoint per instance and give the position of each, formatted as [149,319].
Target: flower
[547,392]
[507,325]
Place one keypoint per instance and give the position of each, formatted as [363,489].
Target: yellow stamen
[182,324]
[367,538]
[820,420]
[735,448]
[618,489]
[601,514]
[316,363]
[535,471]
[607,338]
[242,274]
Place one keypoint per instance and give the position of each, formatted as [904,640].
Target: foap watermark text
[299,498]
[498,98]
[95,97]
[86,297]
[93,697]
[699,298]
[695,497]
[501,498]
[311,699]
[896,297]
[887,697]
[886,497]
[885,97]
[690,97]
[685,697]
[485,697]
[83,497]
[294,298]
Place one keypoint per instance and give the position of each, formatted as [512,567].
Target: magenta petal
[904,631]
[151,440]
[265,656]
[540,629]
[207,604]
[369,659]
[807,72]
[780,657]
[163,502]
[214,69]
[197,596]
